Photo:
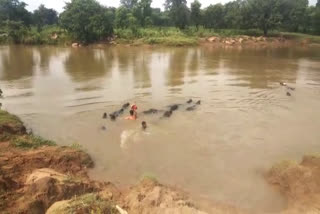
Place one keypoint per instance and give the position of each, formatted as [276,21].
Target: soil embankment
[252,41]
[37,176]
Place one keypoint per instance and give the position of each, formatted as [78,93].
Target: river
[219,151]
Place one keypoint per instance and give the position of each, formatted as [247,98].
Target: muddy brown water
[220,151]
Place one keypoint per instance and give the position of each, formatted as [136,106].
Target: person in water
[134,108]
[132,116]
[144,125]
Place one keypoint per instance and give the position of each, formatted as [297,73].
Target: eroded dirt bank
[37,176]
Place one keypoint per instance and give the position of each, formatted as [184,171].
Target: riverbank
[38,176]
[168,36]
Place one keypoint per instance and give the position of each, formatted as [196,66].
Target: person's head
[144,125]
[131,112]
[134,107]
[113,117]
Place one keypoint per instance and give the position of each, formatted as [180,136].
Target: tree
[178,11]
[128,3]
[133,23]
[213,16]
[145,8]
[14,19]
[44,16]
[16,31]
[233,14]
[318,3]
[196,13]
[294,14]
[316,20]
[265,14]
[159,18]
[122,14]
[14,10]
[87,20]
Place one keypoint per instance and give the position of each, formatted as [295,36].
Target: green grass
[190,36]
[30,142]
[90,203]
[156,36]
[7,118]
[76,146]
[169,36]
[10,121]
[300,37]
[171,41]
[149,176]
[33,36]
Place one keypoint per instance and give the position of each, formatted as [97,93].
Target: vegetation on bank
[87,203]
[13,130]
[135,21]
[10,125]
[30,142]
[6,119]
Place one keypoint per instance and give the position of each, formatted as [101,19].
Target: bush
[166,36]
[3,38]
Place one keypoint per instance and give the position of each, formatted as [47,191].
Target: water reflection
[194,62]
[44,55]
[141,69]
[16,62]
[86,64]
[177,67]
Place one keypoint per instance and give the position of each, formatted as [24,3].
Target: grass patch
[149,176]
[171,41]
[31,142]
[169,36]
[7,118]
[71,179]
[300,36]
[76,146]
[90,203]
[9,126]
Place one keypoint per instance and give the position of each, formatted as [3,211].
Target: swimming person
[132,116]
[125,106]
[131,137]
[134,107]
[144,125]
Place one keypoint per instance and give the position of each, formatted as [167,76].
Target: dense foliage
[88,21]
[44,16]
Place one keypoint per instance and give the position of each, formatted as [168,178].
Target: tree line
[88,21]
